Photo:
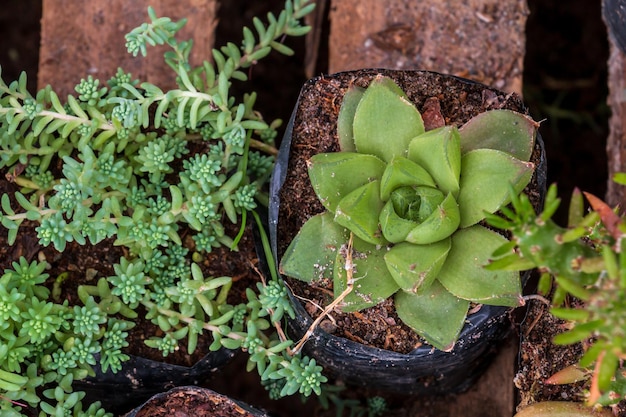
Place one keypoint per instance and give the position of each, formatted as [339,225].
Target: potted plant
[195,401]
[157,181]
[583,273]
[366,204]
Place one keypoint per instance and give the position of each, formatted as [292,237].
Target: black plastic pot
[425,370]
[141,378]
[194,401]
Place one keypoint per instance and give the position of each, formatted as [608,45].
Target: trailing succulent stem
[413,201]
[127,161]
[585,260]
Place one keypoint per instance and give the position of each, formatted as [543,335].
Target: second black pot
[141,378]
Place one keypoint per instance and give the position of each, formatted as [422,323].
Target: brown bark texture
[79,39]
[482,40]
[616,141]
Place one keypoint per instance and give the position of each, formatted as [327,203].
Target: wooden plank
[616,141]
[479,39]
[87,38]
[493,395]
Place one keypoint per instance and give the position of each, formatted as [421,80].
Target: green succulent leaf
[345,118]
[373,283]
[403,172]
[394,228]
[415,267]
[463,273]
[311,254]
[439,152]
[441,223]
[385,121]
[420,215]
[334,175]
[486,178]
[434,314]
[358,211]
[503,130]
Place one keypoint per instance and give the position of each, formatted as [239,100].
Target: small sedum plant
[410,203]
[586,261]
[46,345]
[142,167]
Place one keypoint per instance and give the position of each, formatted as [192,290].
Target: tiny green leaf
[358,212]
[403,172]
[441,223]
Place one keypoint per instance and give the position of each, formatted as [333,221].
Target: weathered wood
[87,38]
[616,141]
[493,395]
[482,40]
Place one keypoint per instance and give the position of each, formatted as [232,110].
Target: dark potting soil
[540,359]
[192,402]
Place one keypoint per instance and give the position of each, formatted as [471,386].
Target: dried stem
[349,267]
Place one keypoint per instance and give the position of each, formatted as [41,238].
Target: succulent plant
[145,168]
[411,201]
[586,261]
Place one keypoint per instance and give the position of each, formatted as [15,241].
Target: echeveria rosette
[412,201]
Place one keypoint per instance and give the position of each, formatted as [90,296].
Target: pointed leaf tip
[311,254]
[345,119]
[435,314]
[385,120]
[609,218]
[464,274]
[486,179]
[439,152]
[335,175]
[504,130]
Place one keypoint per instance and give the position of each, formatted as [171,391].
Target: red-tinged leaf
[608,217]
[567,375]
[594,390]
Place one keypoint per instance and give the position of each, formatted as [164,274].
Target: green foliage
[43,343]
[125,160]
[410,201]
[584,260]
